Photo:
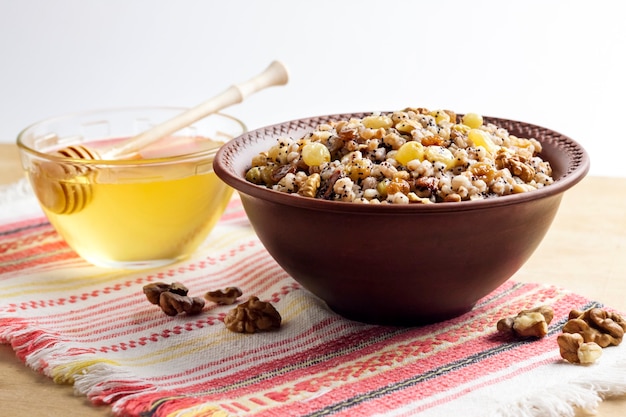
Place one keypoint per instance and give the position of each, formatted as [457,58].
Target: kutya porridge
[411,156]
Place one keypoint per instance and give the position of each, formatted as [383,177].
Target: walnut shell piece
[226,296]
[251,316]
[528,323]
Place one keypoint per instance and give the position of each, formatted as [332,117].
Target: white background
[558,64]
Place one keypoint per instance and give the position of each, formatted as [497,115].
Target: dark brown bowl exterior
[400,264]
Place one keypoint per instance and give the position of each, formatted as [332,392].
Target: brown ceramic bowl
[400,264]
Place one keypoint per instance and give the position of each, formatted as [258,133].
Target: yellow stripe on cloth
[200,411]
[64,374]
[72,280]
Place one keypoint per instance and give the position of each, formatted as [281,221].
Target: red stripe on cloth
[23,233]
[108,317]
[146,363]
[294,359]
[346,374]
[433,382]
[276,380]
[31,258]
[33,341]
[413,342]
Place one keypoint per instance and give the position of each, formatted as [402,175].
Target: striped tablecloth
[93,328]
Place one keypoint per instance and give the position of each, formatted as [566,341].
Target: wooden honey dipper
[64,198]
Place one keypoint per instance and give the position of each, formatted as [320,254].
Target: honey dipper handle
[275,74]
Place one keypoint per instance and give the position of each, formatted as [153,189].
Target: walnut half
[251,316]
[597,325]
[226,296]
[173,304]
[153,291]
[574,349]
[528,323]
[172,298]
[587,332]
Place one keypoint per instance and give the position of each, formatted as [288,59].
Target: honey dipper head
[77,152]
[61,186]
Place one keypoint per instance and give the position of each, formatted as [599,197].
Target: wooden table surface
[584,251]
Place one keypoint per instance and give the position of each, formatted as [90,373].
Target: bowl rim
[210,153]
[225,172]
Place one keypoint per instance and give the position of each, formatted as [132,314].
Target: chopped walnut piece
[452,198]
[310,186]
[427,183]
[505,325]
[546,312]
[251,316]
[173,304]
[515,164]
[178,288]
[528,323]
[172,298]
[197,304]
[153,291]
[226,296]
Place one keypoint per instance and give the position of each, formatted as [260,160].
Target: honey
[141,215]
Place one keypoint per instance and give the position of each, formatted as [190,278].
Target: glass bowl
[148,210]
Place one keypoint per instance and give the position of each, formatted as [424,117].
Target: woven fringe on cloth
[93,327]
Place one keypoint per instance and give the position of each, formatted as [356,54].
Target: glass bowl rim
[205,154]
